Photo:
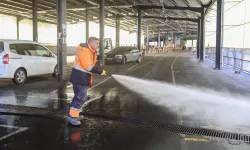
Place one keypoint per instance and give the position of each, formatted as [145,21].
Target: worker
[82,77]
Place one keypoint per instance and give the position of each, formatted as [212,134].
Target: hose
[86,114]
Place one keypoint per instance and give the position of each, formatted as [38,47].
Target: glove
[104,73]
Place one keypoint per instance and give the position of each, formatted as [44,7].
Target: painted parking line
[172,67]
[132,67]
[196,139]
[20,129]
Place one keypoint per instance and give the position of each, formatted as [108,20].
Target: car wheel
[20,76]
[124,60]
[139,59]
[55,73]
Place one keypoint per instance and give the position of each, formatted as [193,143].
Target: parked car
[124,54]
[22,59]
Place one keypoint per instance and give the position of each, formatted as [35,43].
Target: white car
[124,54]
[22,59]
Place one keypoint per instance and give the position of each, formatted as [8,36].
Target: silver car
[124,54]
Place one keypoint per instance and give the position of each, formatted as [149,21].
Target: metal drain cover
[175,128]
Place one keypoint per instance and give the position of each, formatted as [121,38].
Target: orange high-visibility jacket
[84,65]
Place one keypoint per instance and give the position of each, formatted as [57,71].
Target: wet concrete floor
[47,97]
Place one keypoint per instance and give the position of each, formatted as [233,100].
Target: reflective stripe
[73,108]
[90,68]
[81,69]
[73,112]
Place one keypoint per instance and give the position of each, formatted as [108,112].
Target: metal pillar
[34,12]
[117,31]
[198,39]
[61,40]
[17,27]
[222,33]
[101,23]
[147,38]
[165,39]
[174,39]
[139,30]
[218,36]
[159,38]
[87,22]
[202,33]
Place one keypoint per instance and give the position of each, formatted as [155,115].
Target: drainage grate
[175,128]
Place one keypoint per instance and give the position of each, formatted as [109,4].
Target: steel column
[117,31]
[218,36]
[61,40]
[34,12]
[198,40]
[165,39]
[147,38]
[174,39]
[202,33]
[139,30]
[87,22]
[159,38]
[17,27]
[222,32]
[101,23]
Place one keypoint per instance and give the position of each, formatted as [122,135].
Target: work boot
[74,121]
[81,117]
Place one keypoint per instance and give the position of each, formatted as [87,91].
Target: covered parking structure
[199,115]
[152,17]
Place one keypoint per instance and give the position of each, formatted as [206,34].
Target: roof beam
[84,8]
[144,7]
[183,19]
[157,17]
[9,14]
[14,8]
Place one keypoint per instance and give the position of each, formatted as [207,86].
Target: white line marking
[21,129]
[172,68]
[9,126]
[132,67]
[173,78]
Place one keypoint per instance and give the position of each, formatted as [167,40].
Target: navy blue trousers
[80,92]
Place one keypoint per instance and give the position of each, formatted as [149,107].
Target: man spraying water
[82,78]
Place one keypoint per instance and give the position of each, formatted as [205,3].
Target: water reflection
[42,99]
